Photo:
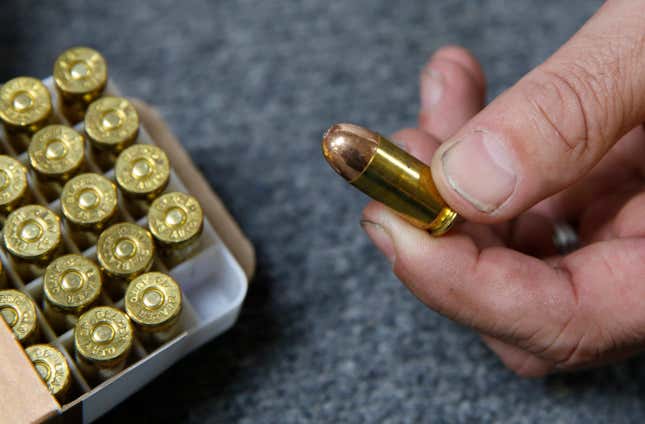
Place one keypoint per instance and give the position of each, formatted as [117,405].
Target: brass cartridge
[388,174]
[176,221]
[71,284]
[25,107]
[14,190]
[52,367]
[111,125]
[153,302]
[102,340]
[125,251]
[80,76]
[19,312]
[56,153]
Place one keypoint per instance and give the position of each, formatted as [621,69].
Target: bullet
[111,125]
[13,185]
[25,107]
[176,221]
[89,202]
[80,77]
[388,174]
[153,302]
[32,234]
[125,251]
[56,153]
[52,367]
[71,284]
[19,312]
[142,171]
[102,340]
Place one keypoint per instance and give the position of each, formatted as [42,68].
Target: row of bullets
[67,175]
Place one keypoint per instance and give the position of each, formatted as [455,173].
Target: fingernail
[481,170]
[381,238]
[431,88]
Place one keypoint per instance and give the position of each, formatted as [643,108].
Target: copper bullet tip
[349,149]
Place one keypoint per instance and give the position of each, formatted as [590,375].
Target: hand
[566,143]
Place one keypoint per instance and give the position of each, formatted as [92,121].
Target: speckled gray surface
[327,334]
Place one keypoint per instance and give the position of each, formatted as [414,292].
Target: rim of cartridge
[111,123]
[175,219]
[125,250]
[56,152]
[89,200]
[52,367]
[103,336]
[72,283]
[142,170]
[25,103]
[32,232]
[80,71]
[19,312]
[153,301]
[13,183]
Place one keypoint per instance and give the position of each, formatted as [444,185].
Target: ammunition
[89,202]
[125,251]
[71,284]
[25,107]
[52,367]
[176,222]
[153,302]
[19,312]
[388,174]
[14,189]
[80,76]
[32,235]
[56,153]
[111,125]
[142,172]
[102,340]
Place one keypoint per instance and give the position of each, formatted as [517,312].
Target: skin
[572,136]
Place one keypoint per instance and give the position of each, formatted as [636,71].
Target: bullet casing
[389,175]
[125,251]
[52,367]
[32,233]
[25,107]
[13,184]
[89,201]
[71,284]
[153,302]
[80,76]
[103,339]
[142,171]
[19,312]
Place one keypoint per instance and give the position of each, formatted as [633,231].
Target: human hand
[566,143]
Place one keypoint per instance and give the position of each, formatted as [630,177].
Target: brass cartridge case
[89,203]
[71,284]
[103,339]
[125,251]
[80,76]
[176,221]
[19,312]
[14,189]
[25,107]
[111,125]
[52,367]
[32,235]
[56,153]
[388,174]
[153,302]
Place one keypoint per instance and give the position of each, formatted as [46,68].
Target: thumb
[554,125]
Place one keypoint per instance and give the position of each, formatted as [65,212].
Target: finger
[523,363]
[416,142]
[618,215]
[496,290]
[452,91]
[571,312]
[554,125]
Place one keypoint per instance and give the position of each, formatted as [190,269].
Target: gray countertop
[327,333]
